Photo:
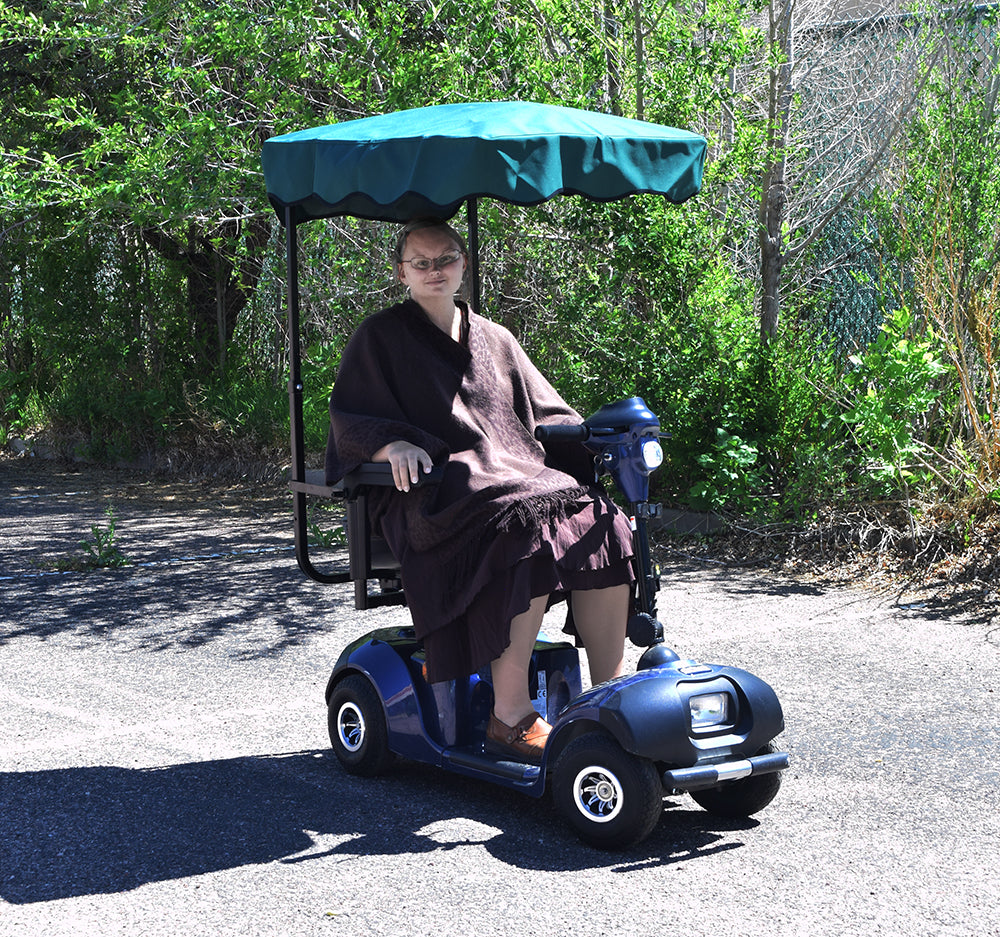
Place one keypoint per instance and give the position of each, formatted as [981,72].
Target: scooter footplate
[478,763]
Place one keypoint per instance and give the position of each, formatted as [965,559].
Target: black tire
[357,727]
[611,798]
[741,798]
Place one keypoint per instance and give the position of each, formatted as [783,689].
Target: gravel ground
[164,765]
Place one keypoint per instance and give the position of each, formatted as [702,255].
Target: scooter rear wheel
[357,727]
[611,798]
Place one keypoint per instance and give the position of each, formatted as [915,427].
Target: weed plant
[99,552]
[102,552]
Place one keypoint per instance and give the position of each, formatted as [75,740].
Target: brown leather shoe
[526,740]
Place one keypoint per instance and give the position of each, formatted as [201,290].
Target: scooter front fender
[649,713]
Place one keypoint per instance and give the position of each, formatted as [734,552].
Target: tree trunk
[640,61]
[218,288]
[773,195]
[771,262]
[612,31]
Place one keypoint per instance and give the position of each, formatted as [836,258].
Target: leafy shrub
[895,384]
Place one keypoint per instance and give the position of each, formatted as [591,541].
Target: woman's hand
[406,460]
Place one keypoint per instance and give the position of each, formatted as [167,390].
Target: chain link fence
[895,61]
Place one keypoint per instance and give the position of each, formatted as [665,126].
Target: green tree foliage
[141,271]
[131,185]
[938,215]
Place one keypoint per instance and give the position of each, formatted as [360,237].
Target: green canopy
[427,161]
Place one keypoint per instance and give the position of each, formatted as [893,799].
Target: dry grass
[947,561]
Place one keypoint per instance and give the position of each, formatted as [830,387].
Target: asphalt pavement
[165,768]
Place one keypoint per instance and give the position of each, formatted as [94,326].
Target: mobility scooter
[617,749]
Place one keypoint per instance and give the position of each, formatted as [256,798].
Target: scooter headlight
[652,454]
[709,709]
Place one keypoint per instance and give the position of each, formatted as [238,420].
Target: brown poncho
[504,498]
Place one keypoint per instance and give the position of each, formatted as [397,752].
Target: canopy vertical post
[296,418]
[472,215]
[295,388]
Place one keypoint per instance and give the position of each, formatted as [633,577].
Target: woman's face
[438,282]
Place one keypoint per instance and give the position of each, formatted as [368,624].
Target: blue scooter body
[702,728]
[648,712]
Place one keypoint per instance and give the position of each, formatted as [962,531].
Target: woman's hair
[422,224]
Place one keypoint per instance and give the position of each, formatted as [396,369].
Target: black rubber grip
[563,432]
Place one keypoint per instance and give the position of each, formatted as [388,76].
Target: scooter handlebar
[563,432]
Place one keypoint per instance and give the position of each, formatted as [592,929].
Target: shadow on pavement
[101,830]
[181,605]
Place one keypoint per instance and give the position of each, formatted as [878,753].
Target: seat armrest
[379,474]
[375,474]
[315,485]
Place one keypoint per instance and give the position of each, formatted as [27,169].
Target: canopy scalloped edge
[409,206]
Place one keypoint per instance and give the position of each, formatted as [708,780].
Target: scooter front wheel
[357,727]
[611,798]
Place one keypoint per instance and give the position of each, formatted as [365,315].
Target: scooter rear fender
[382,657]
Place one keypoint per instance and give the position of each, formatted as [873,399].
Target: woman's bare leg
[601,616]
[511,699]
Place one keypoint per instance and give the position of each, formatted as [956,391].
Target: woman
[511,523]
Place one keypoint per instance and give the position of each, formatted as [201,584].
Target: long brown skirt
[589,546]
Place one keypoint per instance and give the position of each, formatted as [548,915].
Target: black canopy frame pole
[295,387]
[296,417]
[472,218]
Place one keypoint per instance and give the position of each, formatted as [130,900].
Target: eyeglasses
[438,263]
